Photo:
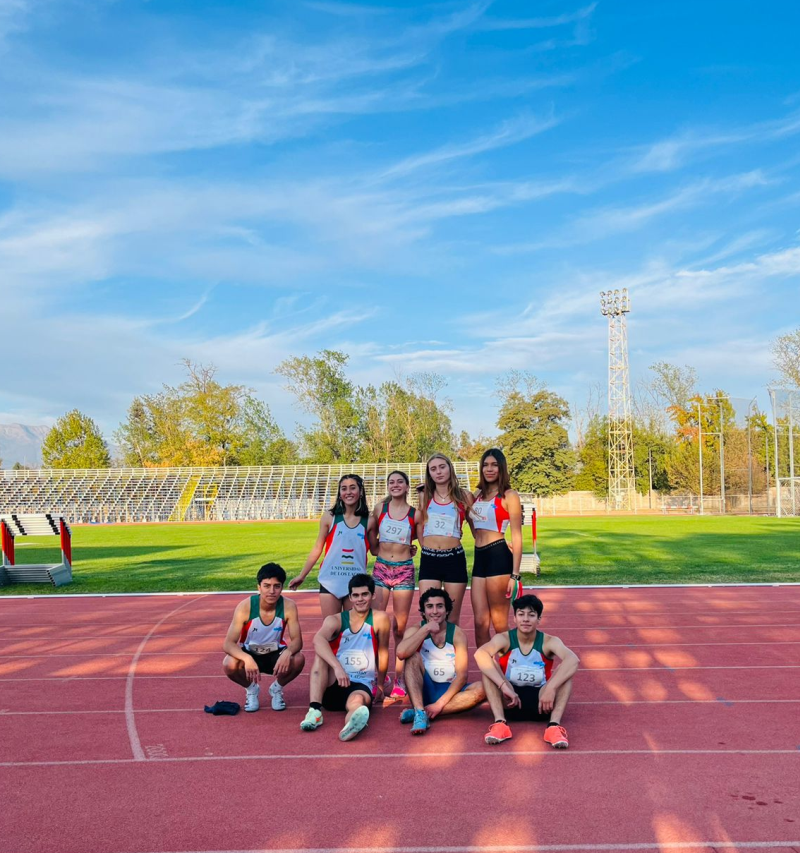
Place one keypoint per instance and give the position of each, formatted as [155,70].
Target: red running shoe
[556,736]
[498,732]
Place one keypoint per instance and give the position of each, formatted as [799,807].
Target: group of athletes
[350,671]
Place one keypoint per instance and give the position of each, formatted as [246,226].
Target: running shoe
[399,690]
[498,732]
[421,723]
[312,721]
[407,716]
[251,700]
[387,683]
[355,724]
[276,692]
[556,736]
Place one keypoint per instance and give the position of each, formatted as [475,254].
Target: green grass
[176,557]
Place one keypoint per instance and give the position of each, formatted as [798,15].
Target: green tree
[533,435]
[75,441]
[322,390]
[402,421]
[260,440]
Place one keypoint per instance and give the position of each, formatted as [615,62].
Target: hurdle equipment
[35,524]
[531,562]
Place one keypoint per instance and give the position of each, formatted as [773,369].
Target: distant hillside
[21,443]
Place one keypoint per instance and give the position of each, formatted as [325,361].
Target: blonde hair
[459,496]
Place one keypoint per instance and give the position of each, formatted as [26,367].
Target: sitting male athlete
[437,664]
[256,640]
[352,658]
[519,678]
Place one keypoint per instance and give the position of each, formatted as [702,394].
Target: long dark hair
[338,507]
[503,480]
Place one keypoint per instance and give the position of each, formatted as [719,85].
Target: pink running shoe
[399,690]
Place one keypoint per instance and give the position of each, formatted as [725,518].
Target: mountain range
[21,443]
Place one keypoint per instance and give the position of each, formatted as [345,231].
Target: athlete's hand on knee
[547,698]
[251,671]
[283,663]
[433,710]
[510,696]
[342,679]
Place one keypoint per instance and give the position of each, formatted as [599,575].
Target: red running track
[684,731]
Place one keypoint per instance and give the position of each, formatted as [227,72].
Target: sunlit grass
[178,557]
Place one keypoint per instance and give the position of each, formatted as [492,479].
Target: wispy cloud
[538,23]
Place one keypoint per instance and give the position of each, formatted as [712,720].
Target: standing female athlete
[391,539]
[444,507]
[496,507]
[343,532]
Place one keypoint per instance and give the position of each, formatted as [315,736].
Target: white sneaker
[358,721]
[251,700]
[276,692]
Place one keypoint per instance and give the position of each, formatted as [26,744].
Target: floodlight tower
[615,304]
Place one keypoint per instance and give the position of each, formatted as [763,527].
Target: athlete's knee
[298,662]
[230,665]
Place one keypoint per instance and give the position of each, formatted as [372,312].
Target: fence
[109,496]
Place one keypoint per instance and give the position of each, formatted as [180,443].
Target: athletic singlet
[345,555]
[260,638]
[444,519]
[531,670]
[440,663]
[490,515]
[400,531]
[358,653]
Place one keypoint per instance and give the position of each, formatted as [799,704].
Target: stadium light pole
[771,392]
[721,458]
[700,448]
[615,304]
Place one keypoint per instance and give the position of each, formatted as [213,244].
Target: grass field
[181,557]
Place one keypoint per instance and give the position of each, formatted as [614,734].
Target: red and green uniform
[358,652]
[526,670]
[259,638]
[440,661]
[345,555]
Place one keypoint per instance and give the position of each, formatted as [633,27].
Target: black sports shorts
[448,566]
[492,560]
[266,663]
[530,706]
[335,697]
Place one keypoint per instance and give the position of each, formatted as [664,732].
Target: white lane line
[590,646]
[583,670]
[130,720]
[382,756]
[399,706]
[717,846]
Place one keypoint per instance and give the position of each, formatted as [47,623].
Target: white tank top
[440,663]
[443,520]
[345,555]
[358,653]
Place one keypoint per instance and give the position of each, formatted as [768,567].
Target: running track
[684,729]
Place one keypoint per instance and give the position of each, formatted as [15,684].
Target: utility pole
[621,478]
[700,448]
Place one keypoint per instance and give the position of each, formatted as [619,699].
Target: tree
[260,440]
[201,423]
[470,449]
[322,389]
[786,356]
[534,436]
[75,441]
[404,420]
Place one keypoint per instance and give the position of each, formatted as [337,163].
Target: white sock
[252,688]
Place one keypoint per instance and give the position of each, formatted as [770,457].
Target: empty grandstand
[108,496]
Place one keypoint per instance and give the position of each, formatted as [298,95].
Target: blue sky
[428,186]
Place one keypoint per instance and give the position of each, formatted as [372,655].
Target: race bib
[355,663]
[441,671]
[395,531]
[263,648]
[526,676]
[440,524]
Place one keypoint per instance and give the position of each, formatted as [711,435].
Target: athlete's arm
[413,638]
[324,529]
[486,659]
[514,508]
[322,640]
[462,668]
[295,643]
[420,518]
[554,647]
[382,629]
[230,644]
[372,532]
